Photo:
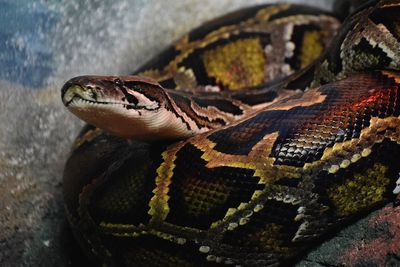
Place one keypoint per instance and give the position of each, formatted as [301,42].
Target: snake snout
[77,88]
[65,88]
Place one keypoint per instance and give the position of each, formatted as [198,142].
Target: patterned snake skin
[264,189]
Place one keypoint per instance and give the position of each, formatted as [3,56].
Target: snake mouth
[78,100]
[80,96]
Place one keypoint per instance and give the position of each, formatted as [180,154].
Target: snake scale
[245,143]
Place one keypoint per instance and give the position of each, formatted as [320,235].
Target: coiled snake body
[270,135]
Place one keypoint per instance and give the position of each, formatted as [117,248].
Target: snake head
[130,92]
[127,106]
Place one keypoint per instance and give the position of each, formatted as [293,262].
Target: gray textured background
[42,44]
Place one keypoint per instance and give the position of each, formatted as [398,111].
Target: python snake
[244,143]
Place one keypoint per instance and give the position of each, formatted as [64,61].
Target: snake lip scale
[74,100]
[88,93]
[245,143]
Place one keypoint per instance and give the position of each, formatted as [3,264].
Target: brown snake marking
[258,189]
[298,27]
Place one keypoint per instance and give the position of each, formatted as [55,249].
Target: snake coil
[243,143]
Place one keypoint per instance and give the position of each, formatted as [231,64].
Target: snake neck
[369,39]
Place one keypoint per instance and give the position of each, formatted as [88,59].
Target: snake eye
[118,82]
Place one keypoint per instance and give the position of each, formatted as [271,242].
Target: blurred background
[43,43]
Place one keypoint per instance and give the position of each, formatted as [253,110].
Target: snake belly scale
[243,144]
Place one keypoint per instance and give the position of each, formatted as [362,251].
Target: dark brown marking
[305,132]
[201,195]
[184,103]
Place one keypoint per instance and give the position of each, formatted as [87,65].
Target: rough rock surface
[43,43]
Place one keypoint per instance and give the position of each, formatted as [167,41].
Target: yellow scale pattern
[201,200]
[362,191]
[269,238]
[238,64]
[311,48]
